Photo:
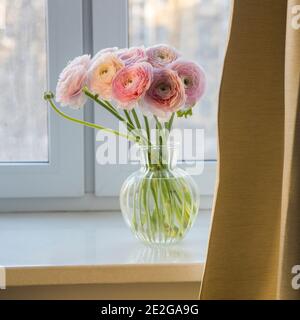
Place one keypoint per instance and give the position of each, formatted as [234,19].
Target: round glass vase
[159,202]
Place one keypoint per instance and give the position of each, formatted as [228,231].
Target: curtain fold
[290,232]
[255,233]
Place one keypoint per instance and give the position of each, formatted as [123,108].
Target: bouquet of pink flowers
[155,80]
[158,82]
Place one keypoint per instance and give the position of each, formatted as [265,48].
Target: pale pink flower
[102,73]
[71,81]
[165,95]
[132,55]
[161,55]
[102,51]
[131,83]
[193,78]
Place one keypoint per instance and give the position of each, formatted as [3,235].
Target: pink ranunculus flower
[132,55]
[102,73]
[71,81]
[102,51]
[193,78]
[165,95]
[131,83]
[161,55]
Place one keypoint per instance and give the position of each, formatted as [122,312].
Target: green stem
[110,108]
[160,140]
[157,122]
[170,122]
[128,117]
[107,106]
[148,137]
[138,124]
[85,123]
[158,130]
[147,129]
[136,119]
[157,134]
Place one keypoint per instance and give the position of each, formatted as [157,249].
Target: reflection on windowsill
[154,254]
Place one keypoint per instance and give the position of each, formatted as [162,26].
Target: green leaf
[185,113]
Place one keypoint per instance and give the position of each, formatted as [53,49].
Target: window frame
[72,180]
[63,174]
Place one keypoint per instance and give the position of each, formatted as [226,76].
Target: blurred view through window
[198,28]
[23,79]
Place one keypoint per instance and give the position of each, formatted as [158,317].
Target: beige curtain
[255,233]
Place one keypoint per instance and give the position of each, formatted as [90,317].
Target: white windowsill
[93,247]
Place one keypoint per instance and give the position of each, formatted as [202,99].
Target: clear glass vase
[160,201]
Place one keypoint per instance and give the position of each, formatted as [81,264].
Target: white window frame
[63,175]
[72,180]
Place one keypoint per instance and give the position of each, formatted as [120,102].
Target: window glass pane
[198,28]
[23,79]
